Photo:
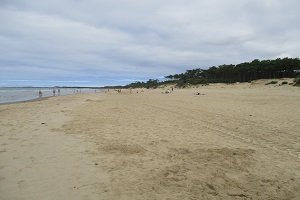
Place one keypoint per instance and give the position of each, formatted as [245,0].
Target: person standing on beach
[58,92]
[54,92]
[40,94]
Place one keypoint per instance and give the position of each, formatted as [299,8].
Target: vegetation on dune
[243,72]
[151,83]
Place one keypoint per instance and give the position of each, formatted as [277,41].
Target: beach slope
[231,142]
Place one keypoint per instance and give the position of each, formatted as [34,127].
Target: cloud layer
[99,42]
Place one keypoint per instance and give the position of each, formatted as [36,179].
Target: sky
[105,42]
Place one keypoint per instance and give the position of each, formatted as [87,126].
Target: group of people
[53,92]
[77,91]
[58,92]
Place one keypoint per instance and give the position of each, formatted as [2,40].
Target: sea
[19,94]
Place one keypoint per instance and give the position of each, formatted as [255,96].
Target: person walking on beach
[58,92]
[54,92]
[40,94]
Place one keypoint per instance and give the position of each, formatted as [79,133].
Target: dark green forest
[243,72]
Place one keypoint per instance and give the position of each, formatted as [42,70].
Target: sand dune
[236,141]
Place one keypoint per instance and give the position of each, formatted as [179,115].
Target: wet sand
[236,141]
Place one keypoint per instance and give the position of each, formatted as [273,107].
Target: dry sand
[238,141]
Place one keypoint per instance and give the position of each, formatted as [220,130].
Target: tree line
[243,72]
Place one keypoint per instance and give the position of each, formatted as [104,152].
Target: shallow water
[8,95]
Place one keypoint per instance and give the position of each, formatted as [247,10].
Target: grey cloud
[133,39]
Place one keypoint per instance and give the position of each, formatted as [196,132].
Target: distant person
[40,94]
[172,89]
[198,93]
[58,92]
[53,92]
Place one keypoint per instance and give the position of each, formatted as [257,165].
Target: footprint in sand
[3,151]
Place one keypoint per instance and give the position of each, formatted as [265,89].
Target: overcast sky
[98,42]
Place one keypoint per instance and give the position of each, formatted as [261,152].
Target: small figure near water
[53,92]
[58,92]
[40,94]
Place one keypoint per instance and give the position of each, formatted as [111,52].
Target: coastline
[48,93]
[25,101]
[235,141]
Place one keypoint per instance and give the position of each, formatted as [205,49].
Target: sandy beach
[239,141]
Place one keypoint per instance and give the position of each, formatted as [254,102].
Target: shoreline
[43,98]
[26,101]
[15,97]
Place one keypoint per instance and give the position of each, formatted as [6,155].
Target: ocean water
[8,95]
